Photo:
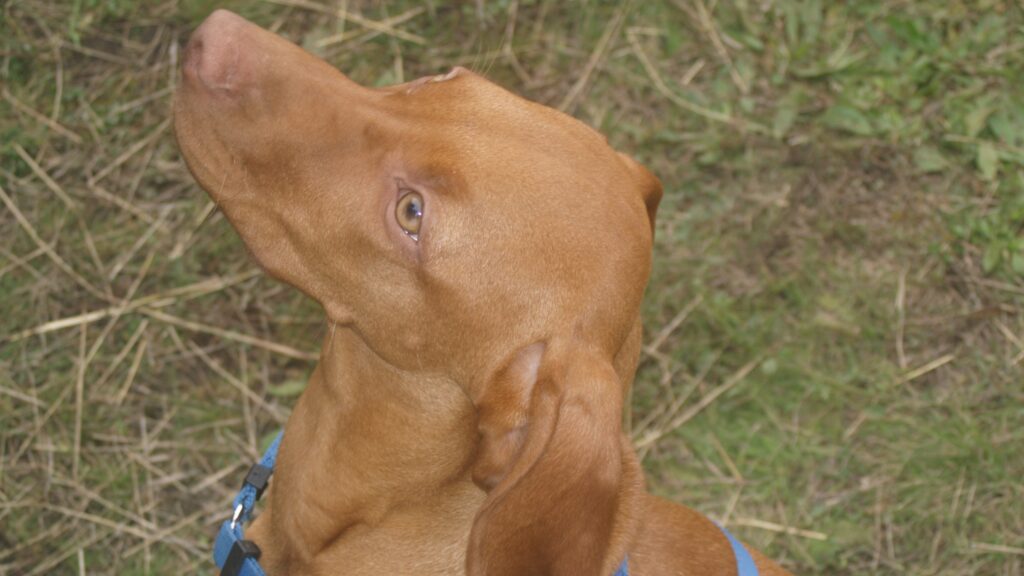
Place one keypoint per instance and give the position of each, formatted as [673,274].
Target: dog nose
[214,55]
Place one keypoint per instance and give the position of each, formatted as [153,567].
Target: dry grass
[836,337]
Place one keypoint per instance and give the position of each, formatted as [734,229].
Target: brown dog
[481,261]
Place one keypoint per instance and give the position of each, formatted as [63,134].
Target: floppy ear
[649,185]
[555,472]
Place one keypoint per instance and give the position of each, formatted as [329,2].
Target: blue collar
[232,553]
[744,562]
[236,556]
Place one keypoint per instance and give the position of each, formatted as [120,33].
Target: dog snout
[214,57]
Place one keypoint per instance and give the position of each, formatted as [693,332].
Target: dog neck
[355,379]
[366,440]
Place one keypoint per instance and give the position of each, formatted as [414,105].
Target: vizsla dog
[481,260]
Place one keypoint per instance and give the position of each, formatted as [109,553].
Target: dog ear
[555,470]
[650,186]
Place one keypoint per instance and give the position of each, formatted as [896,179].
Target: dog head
[457,229]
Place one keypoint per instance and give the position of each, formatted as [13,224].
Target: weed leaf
[992,257]
[843,117]
[987,160]
[929,159]
[287,389]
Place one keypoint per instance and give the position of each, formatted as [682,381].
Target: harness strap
[744,561]
[255,482]
[232,553]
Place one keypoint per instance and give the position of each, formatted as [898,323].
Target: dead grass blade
[662,87]
[76,449]
[596,57]
[64,266]
[782,529]
[50,183]
[654,435]
[49,123]
[230,335]
[707,24]
[162,299]
[997,548]
[133,369]
[121,203]
[369,34]
[921,371]
[274,411]
[375,25]
[130,152]
[21,396]
[673,325]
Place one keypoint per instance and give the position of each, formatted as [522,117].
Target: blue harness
[236,556]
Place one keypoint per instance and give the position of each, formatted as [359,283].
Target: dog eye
[409,213]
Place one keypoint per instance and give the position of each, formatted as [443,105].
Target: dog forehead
[495,143]
[474,106]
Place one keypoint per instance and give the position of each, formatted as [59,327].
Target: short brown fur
[465,415]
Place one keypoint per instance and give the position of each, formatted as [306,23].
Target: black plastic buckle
[258,477]
[240,551]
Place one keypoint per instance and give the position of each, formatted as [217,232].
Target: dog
[480,260]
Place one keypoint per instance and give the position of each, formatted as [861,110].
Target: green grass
[844,210]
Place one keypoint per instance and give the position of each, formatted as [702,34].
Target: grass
[835,319]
